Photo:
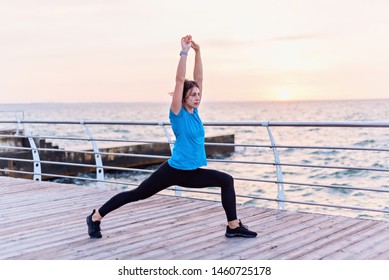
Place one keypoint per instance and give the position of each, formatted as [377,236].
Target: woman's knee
[228,180]
[140,194]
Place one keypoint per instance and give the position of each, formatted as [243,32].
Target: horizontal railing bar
[240,161]
[346,187]
[68,177]
[331,124]
[320,204]
[18,148]
[334,167]
[163,123]
[301,124]
[86,122]
[101,140]
[82,165]
[12,136]
[302,165]
[51,162]
[378,149]
[89,152]
[85,139]
[90,179]
[76,138]
[48,175]
[312,185]
[128,169]
[338,206]
[17,171]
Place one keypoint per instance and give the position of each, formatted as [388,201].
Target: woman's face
[193,98]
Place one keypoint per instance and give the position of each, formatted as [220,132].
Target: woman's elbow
[180,80]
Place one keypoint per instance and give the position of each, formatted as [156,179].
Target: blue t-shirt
[189,151]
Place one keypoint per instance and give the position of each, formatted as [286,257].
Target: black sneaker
[240,231]
[94,229]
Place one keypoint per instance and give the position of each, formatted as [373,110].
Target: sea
[263,170]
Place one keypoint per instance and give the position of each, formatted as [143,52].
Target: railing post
[177,189]
[35,155]
[277,162]
[99,162]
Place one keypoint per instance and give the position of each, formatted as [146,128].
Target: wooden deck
[41,220]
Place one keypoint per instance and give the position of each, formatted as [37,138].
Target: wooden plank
[140,233]
[382,255]
[202,239]
[280,220]
[374,236]
[323,238]
[374,250]
[283,242]
[339,240]
[198,240]
[39,241]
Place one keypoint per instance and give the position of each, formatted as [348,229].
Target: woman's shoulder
[178,115]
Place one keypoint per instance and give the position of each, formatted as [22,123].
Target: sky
[252,50]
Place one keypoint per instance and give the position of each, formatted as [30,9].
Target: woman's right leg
[161,179]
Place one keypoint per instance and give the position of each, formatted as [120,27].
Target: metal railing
[252,165]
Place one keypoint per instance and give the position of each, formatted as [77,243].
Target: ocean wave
[365,216]
[358,194]
[307,194]
[250,202]
[319,176]
[365,142]
[348,173]
[325,152]
[378,165]
[339,190]
[294,189]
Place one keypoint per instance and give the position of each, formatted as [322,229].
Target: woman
[183,168]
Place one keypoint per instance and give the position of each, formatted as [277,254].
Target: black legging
[166,176]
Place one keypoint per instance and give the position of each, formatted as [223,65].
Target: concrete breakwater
[16,156]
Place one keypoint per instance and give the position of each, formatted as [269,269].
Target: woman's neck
[188,108]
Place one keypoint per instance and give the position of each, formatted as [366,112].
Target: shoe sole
[232,235]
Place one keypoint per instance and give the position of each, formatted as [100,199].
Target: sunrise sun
[284,94]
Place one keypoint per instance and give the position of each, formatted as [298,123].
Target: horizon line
[208,101]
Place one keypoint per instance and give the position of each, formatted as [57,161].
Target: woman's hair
[188,85]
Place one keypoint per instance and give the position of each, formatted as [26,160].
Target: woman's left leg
[202,178]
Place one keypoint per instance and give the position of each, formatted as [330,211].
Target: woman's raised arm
[180,75]
[198,66]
